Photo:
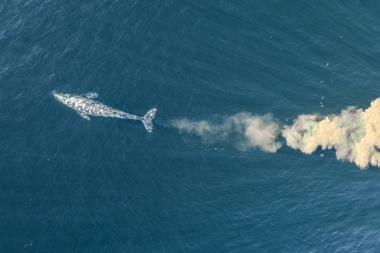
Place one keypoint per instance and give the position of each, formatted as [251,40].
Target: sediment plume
[354,134]
[244,130]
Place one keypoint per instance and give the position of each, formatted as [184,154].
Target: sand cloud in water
[354,134]
[243,129]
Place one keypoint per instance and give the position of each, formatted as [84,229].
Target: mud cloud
[354,134]
[244,130]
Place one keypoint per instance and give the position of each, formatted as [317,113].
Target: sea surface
[107,185]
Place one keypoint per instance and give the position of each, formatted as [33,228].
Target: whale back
[87,106]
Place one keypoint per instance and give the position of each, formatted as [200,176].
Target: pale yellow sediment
[354,134]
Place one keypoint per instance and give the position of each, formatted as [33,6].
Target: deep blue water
[107,185]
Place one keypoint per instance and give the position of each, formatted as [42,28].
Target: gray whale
[84,105]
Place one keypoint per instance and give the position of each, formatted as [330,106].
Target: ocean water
[199,182]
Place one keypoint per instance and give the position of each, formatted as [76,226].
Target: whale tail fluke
[147,120]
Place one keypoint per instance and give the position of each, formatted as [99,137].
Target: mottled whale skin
[85,106]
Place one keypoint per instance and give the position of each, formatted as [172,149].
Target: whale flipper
[84,115]
[91,95]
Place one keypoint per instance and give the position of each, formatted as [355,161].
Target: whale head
[64,98]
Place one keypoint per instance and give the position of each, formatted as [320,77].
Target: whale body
[84,106]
